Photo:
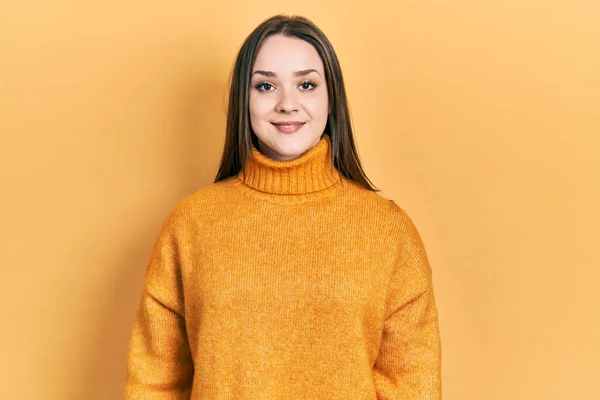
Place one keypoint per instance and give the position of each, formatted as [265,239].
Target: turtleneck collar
[313,171]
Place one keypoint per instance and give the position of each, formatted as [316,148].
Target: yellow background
[479,118]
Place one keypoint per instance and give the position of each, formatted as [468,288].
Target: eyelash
[260,84]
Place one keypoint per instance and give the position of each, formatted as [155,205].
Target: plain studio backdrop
[480,118]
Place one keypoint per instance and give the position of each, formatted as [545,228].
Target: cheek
[259,106]
[317,106]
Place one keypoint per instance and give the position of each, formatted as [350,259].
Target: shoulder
[376,203]
[393,218]
[402,218]
[200,204]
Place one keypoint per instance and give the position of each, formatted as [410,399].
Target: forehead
[284,55]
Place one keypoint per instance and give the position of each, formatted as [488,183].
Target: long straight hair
[239,136]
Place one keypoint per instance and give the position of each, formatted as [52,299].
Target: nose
[287,102]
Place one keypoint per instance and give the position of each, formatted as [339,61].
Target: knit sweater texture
[286,282]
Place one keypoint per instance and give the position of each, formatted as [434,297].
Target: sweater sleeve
[408,365]
[159,361]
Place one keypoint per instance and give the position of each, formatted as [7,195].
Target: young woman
[289,277]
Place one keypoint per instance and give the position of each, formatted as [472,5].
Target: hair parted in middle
[239,136]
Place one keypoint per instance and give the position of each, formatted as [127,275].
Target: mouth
[288,126]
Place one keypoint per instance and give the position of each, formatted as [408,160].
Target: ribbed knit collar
[313,171]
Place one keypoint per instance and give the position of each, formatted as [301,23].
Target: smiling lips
[288,126]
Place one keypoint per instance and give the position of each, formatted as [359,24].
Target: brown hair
[239,135]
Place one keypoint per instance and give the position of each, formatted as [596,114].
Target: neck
[313,171]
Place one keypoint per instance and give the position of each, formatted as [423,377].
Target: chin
[289,148]
[290,152]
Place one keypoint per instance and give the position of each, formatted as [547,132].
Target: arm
[159,361]
[408,366]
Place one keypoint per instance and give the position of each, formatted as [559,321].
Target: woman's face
[288,97]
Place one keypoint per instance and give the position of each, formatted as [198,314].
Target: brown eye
[263,86]
[308,85]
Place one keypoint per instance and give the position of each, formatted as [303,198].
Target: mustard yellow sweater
[290,282]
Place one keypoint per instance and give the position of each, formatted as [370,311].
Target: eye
[308,85]
[263,86]
[266,87]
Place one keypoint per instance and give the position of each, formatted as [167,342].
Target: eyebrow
[297,73]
